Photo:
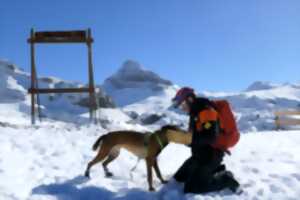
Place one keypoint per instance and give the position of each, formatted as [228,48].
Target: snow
[14,84]
[47,161]
[137,90]
[254,108]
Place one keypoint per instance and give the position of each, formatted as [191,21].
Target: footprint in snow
[276,189]
[297,176]
[255,170]
[274,176]
[249,169]
[289,162]
[288,181]
[250,183]
[265,180]
[260,192]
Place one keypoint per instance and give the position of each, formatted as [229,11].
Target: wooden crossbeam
[283,118]
[59,90]
[289,122]
[63,34]
[280,113]
[60,37]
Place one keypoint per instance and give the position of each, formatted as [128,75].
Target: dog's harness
[159,141]
[146,145]
[146,141]
[147,138]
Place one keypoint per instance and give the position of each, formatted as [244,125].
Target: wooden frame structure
[280,121]
[57,37]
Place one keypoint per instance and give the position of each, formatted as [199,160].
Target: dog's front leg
[149,163]
[157,170]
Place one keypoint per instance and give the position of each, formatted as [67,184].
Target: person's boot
[220,168]
[232,184]
[227,180]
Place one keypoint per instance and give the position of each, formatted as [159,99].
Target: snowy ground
[47,163]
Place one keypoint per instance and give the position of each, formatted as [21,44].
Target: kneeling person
[203,171]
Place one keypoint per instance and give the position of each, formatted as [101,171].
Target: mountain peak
[134,82]
[133,75]
[261,85]
[130,66]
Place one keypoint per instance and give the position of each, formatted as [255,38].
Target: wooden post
[277,122]
[77,36]
[92,95]
[32,78]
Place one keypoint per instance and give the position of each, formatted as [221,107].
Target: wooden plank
[60,37]
[280,113]
[59,40]
[59,90]
[60,34]
[288,122]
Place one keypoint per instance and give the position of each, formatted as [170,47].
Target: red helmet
[182,95]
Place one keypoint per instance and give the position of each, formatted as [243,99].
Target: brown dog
[143,145]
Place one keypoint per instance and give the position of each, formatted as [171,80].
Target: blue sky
[216,45]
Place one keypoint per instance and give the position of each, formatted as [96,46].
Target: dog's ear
[171,127]
[165,128]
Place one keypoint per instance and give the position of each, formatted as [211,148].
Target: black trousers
[197,174]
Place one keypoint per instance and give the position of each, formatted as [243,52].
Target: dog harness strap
[146,141]
[159,141]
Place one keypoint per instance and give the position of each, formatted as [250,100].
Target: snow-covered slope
[255,108]
[13,99]
[259,85]
[135,90]
[14,84]
[132,83]
[9,86]
[143,96]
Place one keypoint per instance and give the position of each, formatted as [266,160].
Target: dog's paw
[87,174]
[164,182]
[151,189]
[108,174]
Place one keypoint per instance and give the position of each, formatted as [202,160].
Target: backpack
[229,135]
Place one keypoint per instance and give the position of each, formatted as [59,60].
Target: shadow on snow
[69,190]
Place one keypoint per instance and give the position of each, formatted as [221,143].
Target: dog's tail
[97,143]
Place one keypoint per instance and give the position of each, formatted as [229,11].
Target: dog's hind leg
[103,152]
[113,154]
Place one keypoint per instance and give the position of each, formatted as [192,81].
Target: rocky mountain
[140,97]
[259,85]
[135,82]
